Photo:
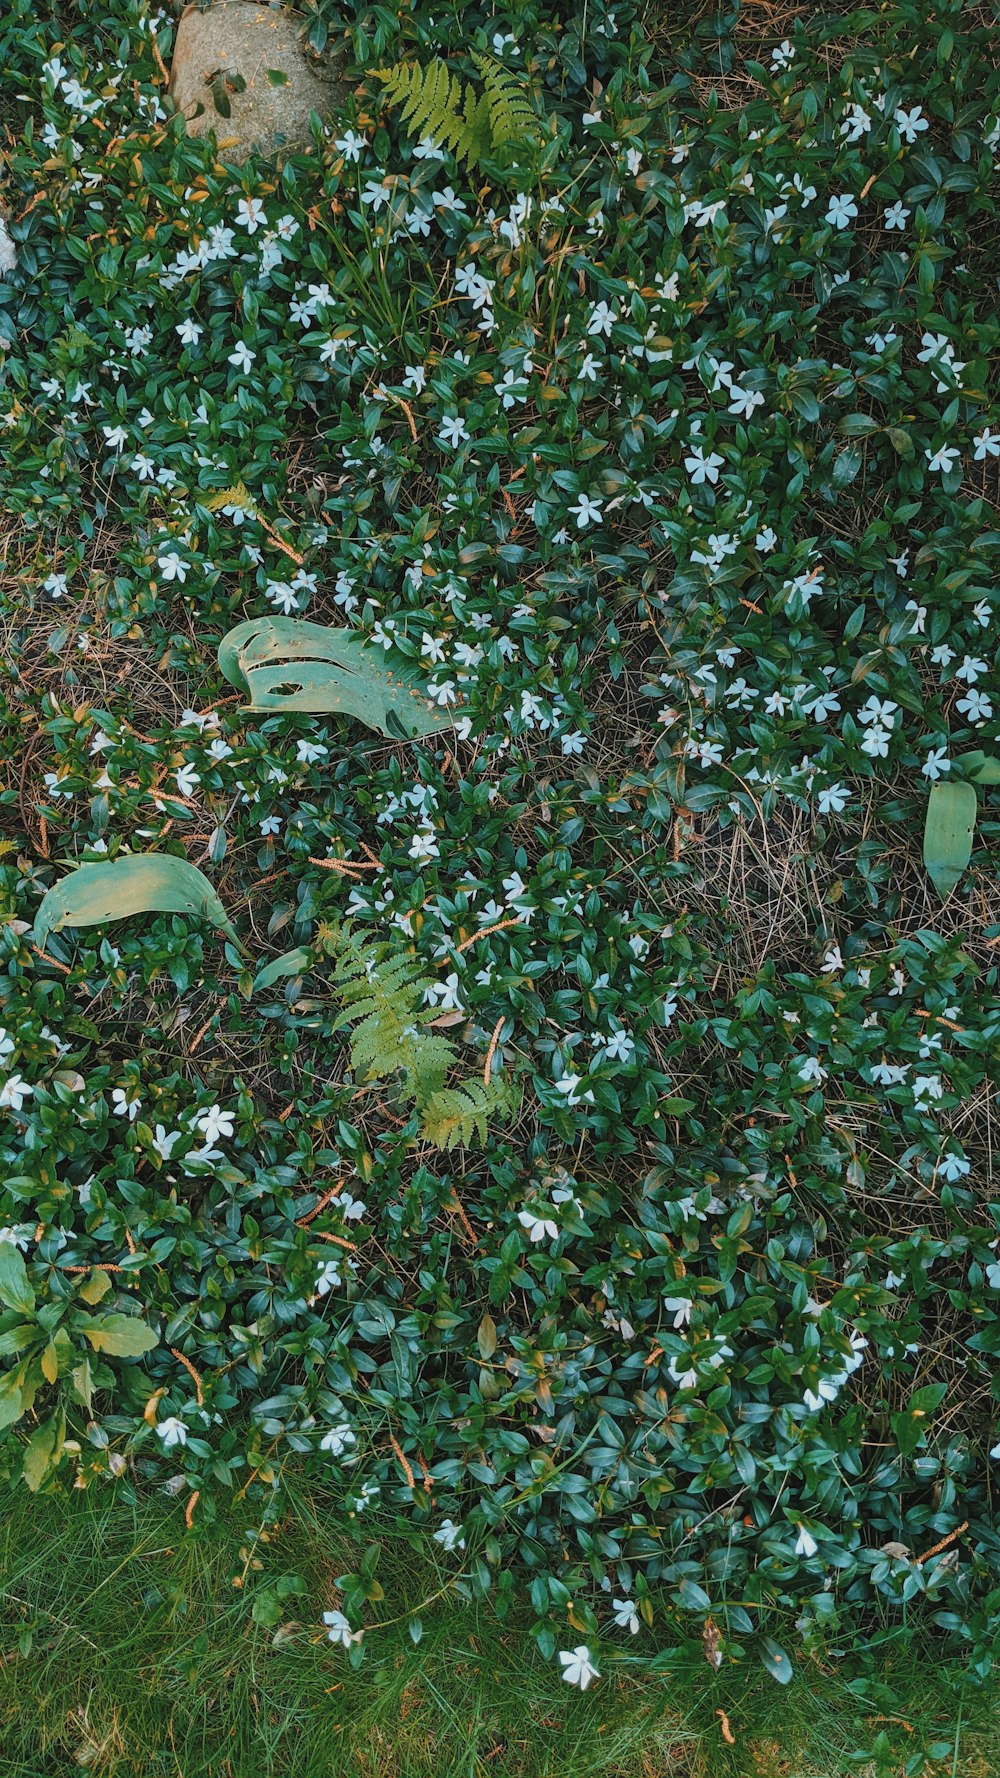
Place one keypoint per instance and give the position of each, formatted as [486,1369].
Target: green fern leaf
[510,114]
[434,103]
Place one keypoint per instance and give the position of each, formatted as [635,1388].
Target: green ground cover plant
[663,455]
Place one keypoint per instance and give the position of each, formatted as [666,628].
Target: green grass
[128,1645]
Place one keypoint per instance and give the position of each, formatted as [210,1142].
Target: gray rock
[237,41]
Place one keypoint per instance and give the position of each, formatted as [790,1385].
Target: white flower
[351,145]
[173,1432]
[241,356]
[164,1141]
[189,331]
[250,214]
[308,752]
[214,1123]
[586,511]
[453,430]
[337,1440]
[943,459]
[782,56]
[626,1616]
[911,123]
[702,468]
[976,706]
[187,779]
[539,1228]
[805,1543]
[339,1629]
[602,319]
[14,1092]
[6,1044]
[173,567]
[936,763]
[123,1106]
[895,216]
[987,444]
[743,401]
[568,1085]
[329,1277]
[578,1668]
[450,1536]
[842,211]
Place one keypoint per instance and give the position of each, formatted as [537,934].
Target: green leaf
[15,1287]
[486,1337]
[124,1336]
[95,1287]
[289,963]
[12,1404]
[982,767]
[276,77]
[948,831]
[775,1660]
[44,1449]
[139,883]
[288,664]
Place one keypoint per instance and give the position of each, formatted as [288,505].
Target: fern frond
[457,1114]
[511,116]
[434,103]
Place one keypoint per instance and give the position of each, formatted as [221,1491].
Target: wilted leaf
[948,831]
[140,883]
[288,664]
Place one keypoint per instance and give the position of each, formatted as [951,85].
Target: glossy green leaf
[948,831]
[288,664]
[775,1660]
[141,883]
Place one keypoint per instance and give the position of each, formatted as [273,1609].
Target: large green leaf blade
[290,664]
[15,1286]
[948,831]
[124,1336]
[141,883]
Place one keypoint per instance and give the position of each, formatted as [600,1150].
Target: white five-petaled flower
[242,356]
[842,210]
[910,123]
[173,1432]
[186,780]
[125,1106]
[943,459]
[587,511]
[14,1092]
[250,214]
[626,1615]
[214,1123]
[578,1668]
[173,567]
[453,430]
[805,1543]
